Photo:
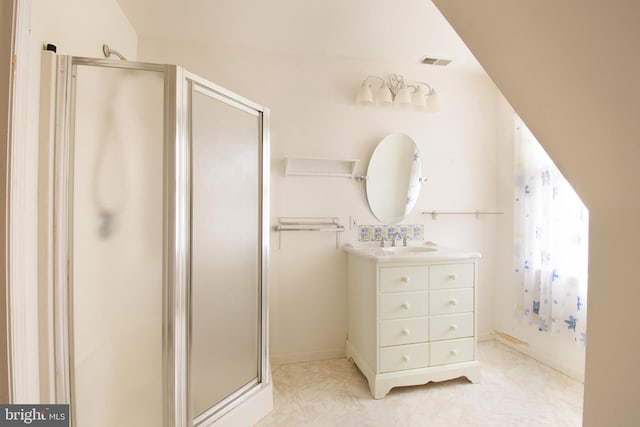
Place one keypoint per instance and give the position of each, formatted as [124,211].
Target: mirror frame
[394,178]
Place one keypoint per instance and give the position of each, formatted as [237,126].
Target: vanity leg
[377,394]
[378,391]
[473,375]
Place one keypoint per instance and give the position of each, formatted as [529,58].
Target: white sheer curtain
[551,243]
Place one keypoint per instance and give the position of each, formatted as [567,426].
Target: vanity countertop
[426,251]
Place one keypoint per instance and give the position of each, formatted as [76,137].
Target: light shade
[365,96]
[432,101]
[419,98]
[403,97]
[384,95]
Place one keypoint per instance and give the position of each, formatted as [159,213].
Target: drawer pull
[453,352]
[453,302]
[405,279]
[453,276]
[405,358]
[406,332]
[405,306]
[453,327]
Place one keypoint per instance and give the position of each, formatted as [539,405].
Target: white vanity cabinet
[412,321]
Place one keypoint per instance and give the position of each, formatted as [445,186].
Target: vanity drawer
[450,301]
[454,351]
[403,331]
[403,279]
[451,326]
[403,304]
[402,357]
[449,276]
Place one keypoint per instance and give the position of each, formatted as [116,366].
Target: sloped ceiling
[388,31]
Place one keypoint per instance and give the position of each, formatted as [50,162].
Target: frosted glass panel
[117,248]
[225,250]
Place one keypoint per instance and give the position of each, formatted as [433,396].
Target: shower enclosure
[156,231]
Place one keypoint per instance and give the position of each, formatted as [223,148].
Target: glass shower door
[226,250]
[116,296]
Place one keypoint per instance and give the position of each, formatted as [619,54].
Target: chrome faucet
[382,242]
[393,239]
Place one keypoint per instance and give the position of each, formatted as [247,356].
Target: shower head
[108,52]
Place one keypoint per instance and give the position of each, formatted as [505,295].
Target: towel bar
[309,224]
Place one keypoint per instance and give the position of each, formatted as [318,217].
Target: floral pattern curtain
[551,243]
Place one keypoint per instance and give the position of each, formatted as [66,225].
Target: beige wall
[570,69]
[6,26]
[314,114]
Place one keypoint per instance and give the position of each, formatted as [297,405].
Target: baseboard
[284,359]
[542,358]
[287,358]
[487,337]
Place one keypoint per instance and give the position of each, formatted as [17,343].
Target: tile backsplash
[375,233]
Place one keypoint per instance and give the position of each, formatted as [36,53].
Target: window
[550,242]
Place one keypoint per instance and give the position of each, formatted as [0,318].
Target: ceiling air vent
[434,61]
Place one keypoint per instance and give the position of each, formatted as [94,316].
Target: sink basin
[408,249]
[427,251]
[393,253]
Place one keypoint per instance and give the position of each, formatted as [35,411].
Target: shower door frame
[176,288]
[189,83]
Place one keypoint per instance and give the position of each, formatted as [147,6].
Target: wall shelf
[297,166]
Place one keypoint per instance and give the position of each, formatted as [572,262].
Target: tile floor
[515,390]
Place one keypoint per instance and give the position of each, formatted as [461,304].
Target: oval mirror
[393,178]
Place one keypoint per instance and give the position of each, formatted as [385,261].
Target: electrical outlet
[353,223]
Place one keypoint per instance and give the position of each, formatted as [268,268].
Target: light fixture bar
[395,90]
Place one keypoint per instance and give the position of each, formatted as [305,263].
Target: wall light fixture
[396,91]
